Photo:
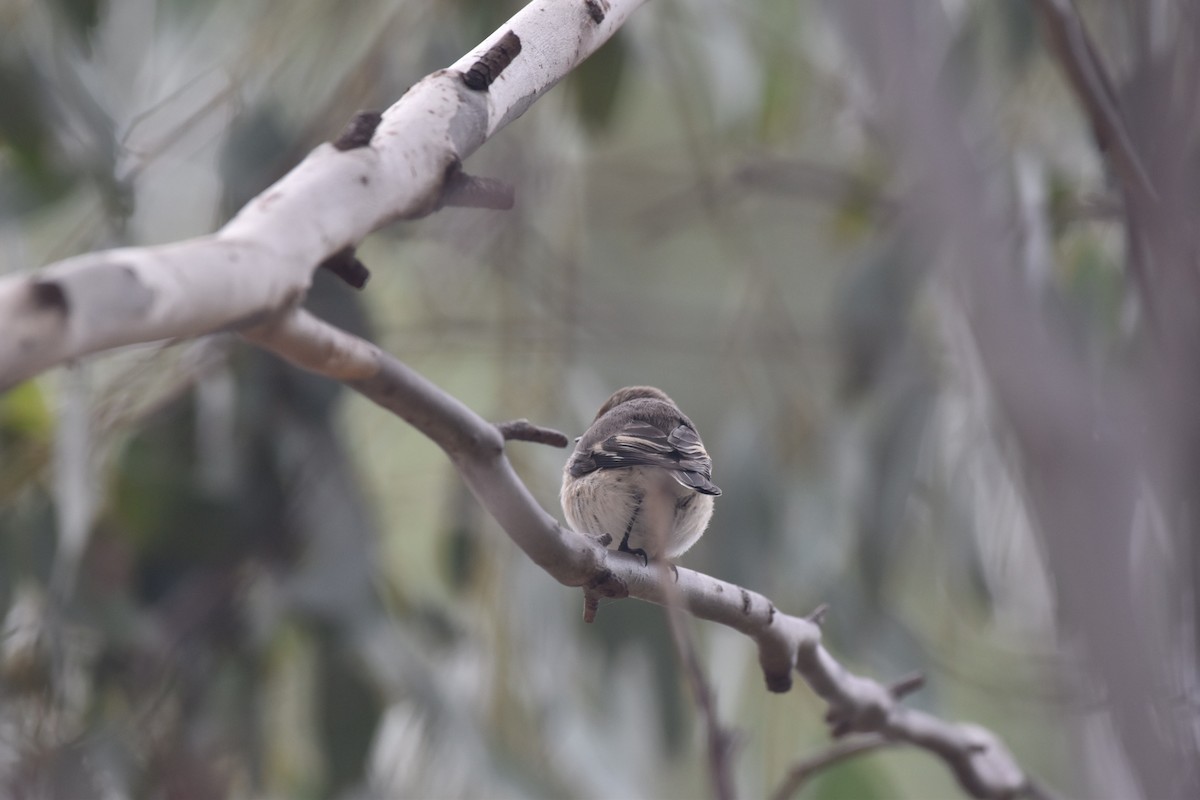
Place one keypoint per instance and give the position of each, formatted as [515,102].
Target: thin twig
[1088,77]
[907,685]
[804,770]
[721,742]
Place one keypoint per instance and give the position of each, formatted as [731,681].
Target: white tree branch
[390,167]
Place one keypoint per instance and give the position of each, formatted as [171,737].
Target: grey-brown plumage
[640,476]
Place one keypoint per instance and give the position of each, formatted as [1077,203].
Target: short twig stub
[522,430]
[907,685]
[346,266]
[359,130]
[484,71]
[470,191]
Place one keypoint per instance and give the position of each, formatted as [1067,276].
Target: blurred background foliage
[220,577]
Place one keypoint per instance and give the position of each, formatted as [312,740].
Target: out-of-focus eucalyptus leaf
[871,320]
[257,151]
[783,83]
[463,547]
[623,624]
[857,779]
[1094,287]
[81,16]
[596,84]
[349,709]
[26,439]
[1019,26]
[31,172]
[478,18]
[23,415]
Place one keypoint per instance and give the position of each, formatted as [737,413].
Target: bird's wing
[640,443]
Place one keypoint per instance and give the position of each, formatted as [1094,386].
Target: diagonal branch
[1092,85]
[402,163]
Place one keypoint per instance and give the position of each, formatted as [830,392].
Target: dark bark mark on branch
[596,10]
[484,71]
[359,130]
[608,584]
[522,430]
[346,266]
[745,602]
[48,296]
[771,614]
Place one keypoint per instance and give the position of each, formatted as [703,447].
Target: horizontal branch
[401,164]
[787,644]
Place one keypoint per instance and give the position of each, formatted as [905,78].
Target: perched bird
[640,479]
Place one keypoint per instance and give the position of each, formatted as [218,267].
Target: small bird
[640,479]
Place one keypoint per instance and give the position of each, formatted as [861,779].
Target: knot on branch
[604,584]
[608,584]
[863,706]
[987,768]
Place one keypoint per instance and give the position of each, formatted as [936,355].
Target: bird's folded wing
[642,444]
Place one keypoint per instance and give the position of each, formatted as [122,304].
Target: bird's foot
[637,551]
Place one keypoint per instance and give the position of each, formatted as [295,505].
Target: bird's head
[631,393]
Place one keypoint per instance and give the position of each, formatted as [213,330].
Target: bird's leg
[624,546]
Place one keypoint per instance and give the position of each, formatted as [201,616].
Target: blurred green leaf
[782,73]
[31,174]
[856,779]
[1019,29]
[24,415]
[81,16]
[26,438]
[1094,284]
[350,709]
